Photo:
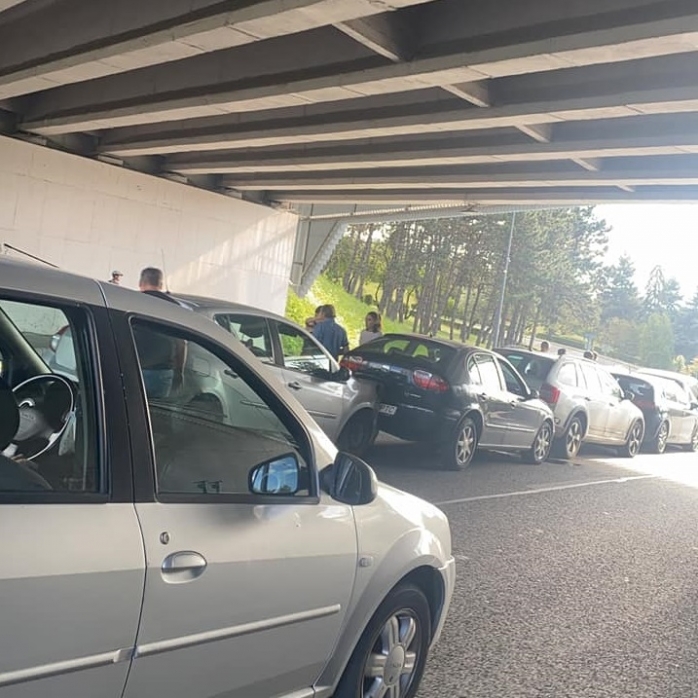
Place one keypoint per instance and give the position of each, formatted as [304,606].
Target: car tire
[568,445]
[460,450]
[392,649]
[358,433]
[658,444]
[693,446]
[634,441]
[542,444]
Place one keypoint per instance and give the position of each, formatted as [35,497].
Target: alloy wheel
[543,442]
[390,667]
[662,436]
[573,438]
[465,444]
[635,439]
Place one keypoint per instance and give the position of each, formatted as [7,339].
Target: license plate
[390,410]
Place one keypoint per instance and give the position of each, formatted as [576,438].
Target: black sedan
[457,397]
[671,413]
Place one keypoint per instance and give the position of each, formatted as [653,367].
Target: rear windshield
[638,387]
[532,367]
[413,347]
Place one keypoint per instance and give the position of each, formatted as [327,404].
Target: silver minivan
[588,403]
[345,407]
[175,524]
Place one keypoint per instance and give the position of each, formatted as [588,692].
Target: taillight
[644,404]
[352,363]
[549,393]
[428,381]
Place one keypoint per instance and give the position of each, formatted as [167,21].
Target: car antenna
[7,246]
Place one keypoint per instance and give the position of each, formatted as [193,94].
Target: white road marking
[542,490]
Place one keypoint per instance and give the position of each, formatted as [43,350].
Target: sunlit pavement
[574,579]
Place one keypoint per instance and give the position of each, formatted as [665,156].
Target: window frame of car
[609,384]
[223,319]
[504,366]
[477,357]
[95,338]
[145,481]
[276,337]
[592,369]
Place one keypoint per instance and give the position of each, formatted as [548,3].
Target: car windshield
[532,367]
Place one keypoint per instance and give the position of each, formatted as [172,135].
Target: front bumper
[448,576]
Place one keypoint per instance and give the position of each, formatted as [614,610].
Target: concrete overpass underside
[375,103]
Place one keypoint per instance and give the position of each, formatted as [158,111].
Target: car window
[609,384]
[534,369]
[212,430]
[252,331]
[513,383]
[49,431]
[301,352]
[488,372]
[473,372]
[591,378]
[567,375]
[427,352]
[641,389]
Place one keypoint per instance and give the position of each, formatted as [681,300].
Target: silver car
[345,407]
[588,403]
[162,539]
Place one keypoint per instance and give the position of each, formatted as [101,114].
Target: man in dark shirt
[162,358]
[331,335]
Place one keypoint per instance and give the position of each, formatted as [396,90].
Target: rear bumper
[417,423]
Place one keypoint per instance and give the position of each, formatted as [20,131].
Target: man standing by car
[331,335]
[162,358]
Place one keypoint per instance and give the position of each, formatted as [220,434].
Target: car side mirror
[627,395]
[533,394]
[277,477]
[694,405]
[342,375]
[350,480]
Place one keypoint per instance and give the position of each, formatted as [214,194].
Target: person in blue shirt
[331,335]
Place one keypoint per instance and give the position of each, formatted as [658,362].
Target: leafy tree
[686,329]
[619,295]
[662,295]
[657,342]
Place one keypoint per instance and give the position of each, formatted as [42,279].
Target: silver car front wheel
[389,660]
[634,441]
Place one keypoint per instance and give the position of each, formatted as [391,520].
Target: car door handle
[183,566]
[294,385]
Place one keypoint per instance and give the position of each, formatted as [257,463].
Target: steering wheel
[46,404]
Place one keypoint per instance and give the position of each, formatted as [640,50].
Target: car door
[680,414]
[619,415]
[597,404]
[245,594]
[525,417]
[307,367]
[488,389]
[73,565]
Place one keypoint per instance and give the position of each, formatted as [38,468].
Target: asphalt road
[575,580]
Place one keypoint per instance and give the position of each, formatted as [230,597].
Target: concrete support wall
[89,217]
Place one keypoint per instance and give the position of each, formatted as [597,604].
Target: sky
[652,234]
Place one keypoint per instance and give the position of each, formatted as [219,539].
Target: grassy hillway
[350,310]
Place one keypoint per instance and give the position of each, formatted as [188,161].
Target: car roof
[413,336]
[204,304]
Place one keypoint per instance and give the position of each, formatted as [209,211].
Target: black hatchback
[457,397]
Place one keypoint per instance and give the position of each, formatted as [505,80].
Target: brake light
[352,363]
[549,393]
[428,381]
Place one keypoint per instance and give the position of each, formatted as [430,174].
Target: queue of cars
[174,523]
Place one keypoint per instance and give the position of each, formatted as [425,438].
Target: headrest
[253,327]
[9,415]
